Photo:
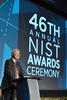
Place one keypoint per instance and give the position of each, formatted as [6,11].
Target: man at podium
[12,72]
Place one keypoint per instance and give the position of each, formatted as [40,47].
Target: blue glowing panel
[8,31]
[16,7]
[6,55]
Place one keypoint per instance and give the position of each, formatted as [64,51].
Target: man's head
[15,53]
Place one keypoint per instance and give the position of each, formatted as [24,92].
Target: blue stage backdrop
[40,35]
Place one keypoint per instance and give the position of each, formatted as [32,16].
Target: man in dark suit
[12,71]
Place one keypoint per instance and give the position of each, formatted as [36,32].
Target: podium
[0,94]
[27,88]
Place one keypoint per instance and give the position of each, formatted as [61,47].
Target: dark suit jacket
[9,73]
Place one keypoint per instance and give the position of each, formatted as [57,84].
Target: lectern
[1,94]
[27,88]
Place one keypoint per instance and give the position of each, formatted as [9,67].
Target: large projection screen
[40,34]
[43,45]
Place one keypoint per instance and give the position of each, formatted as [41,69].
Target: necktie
[16,71]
